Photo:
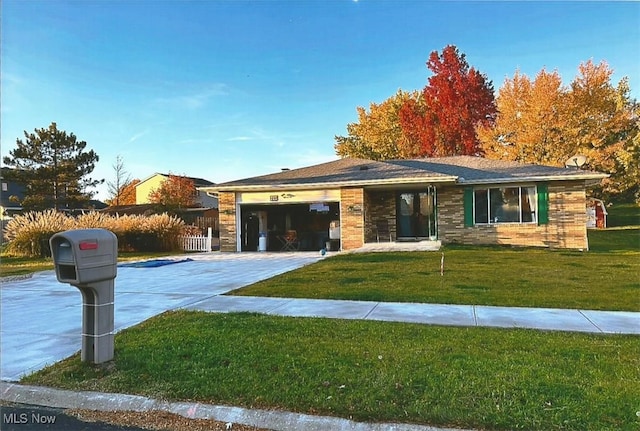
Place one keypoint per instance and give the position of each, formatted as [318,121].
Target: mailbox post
[87,259]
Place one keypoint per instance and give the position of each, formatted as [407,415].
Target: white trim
[299,196]
[330,185]
[516,223]
[238,227]
[538,179]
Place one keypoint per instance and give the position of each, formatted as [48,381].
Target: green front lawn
[494,379]
[473,275]
[605,278]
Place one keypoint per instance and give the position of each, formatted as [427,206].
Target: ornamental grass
[28,234]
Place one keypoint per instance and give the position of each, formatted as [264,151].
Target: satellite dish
[575,161]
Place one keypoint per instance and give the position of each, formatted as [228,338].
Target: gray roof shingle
[457,169]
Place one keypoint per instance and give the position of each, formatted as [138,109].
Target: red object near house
[596,214]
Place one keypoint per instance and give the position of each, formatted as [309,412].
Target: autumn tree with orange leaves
[378,135]
[457,99]
[541,121]
[440,120]
[174,193]
[122,190]
[530,125]
[126,195]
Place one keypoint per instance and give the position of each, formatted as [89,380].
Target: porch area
[373,247]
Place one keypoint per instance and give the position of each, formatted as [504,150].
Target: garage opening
[288,227]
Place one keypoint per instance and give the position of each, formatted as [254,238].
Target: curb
[271,419]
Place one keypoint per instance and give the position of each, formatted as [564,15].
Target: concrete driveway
[41,319]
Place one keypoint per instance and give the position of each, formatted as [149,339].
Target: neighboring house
[462,199]
[11,195]
[146,186]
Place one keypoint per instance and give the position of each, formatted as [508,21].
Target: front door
[416,215]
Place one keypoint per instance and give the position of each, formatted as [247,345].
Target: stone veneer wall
[567,227]
[227,214]
[380,206]
[352,215]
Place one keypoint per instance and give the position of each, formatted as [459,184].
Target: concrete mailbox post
[87,259]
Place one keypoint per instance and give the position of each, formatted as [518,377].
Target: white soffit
[288,197]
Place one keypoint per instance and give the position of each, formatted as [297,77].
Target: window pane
[505,205]
[528,204]
[481,206]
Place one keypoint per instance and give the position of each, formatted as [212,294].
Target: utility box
[88,260]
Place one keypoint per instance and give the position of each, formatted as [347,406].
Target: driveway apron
[41,319]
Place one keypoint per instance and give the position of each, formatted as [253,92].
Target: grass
[473,275]
[623,215]
[606,278]
[374,371]
[616,239]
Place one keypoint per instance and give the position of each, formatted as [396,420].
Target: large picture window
[504,205]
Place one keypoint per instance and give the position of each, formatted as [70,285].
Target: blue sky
[225,90]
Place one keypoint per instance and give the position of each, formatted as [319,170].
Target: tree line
[55,167]
[529,120]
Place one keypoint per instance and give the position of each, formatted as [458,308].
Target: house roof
[198,182]
[362,172]
[478,170]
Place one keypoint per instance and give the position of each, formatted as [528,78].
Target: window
[504,205]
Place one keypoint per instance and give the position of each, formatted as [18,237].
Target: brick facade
[352,218]
[227,214]
[360,212]
[566,227]
[380,207]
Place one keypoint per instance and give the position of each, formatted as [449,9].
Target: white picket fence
[197,243]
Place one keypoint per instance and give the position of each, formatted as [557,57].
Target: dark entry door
[416,215]
[250,232]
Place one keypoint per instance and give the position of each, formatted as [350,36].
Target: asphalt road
[22,417]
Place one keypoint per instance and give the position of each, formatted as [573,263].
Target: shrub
[28,234]
[93,219]
[165,229]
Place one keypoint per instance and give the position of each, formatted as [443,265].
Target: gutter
[330,185]
[596,177]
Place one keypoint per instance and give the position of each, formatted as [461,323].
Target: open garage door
[287,227]
[307,215]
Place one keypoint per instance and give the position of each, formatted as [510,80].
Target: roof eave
[536,178]
[330,185]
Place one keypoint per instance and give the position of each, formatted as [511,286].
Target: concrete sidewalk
[551,319]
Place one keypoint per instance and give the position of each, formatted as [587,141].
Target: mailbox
[85,255]
[87,259]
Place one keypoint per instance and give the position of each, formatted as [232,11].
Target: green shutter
[468,207]
[543,204]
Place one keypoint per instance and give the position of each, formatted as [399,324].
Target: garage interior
[290,227]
